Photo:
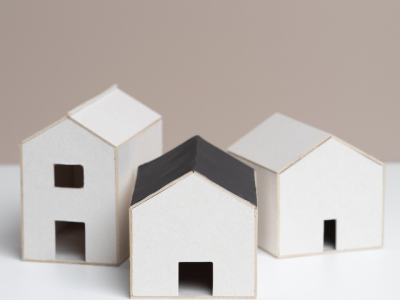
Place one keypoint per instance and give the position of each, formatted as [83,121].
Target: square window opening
[68,176]
[329,235]
[70,241]
[195,278]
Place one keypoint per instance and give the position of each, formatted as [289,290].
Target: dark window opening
[329,235]
[195,278]
[68,176]
[70,241]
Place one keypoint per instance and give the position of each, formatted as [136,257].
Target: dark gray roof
[197,155]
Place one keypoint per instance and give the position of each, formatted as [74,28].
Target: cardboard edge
[43,130]
[255,250]
[330,252]
[241,157]
[116,161]
[141,131]
[95,134]
[76,262]
[278,214]
[225,190]
[92,100]
[22,204]
[130,253]
[305,153]
[255,237]
[383,203]
[193,297]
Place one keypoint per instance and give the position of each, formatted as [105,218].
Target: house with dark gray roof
[193,225]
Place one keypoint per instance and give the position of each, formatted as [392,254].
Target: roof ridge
[92,100]
[196,153]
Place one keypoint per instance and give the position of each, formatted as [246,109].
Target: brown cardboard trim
[130,253]
[77,262]
[43,130]
[117,203]
[95,134]
[278,214]
[22,204]
[91,100]
[304,154]
[194,297]
[255,238]
[143,130]
[255,249]
[241,157]
[330,252]
[383,203]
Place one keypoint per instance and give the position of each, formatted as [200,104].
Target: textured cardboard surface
[209,225]
[277,142]
[278,146]
[143,148]
[267,194]
[332,182]
[196,155]
[108,176]
[115,116]
[43,203]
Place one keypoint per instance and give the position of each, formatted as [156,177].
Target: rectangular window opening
[195,278]
[329,235]
[70,241]
[68,176]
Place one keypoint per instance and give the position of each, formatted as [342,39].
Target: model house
[317,194]
[78,177]
[193,225]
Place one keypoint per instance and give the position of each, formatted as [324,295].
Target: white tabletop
[369,274]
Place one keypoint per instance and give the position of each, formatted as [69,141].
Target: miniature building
[78,178]
[193,225]
[317,194]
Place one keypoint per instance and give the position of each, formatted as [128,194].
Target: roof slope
[200,156]
[114,116]
[277,142]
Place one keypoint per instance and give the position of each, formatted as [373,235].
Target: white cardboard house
[193,225]
[77,180]
[317,194]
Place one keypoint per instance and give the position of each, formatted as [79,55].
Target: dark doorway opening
[329,235]
[68,176]
[70,241]
[195,278]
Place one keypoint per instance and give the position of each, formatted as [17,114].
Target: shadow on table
[10,232]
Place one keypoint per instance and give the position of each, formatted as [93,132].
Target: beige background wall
[214,68]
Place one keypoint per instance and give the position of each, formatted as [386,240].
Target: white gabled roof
[114,116]
[277,142]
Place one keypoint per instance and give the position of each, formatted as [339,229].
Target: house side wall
[193,221]
[143,148]
[43,203]
[331,182]
[267,207]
